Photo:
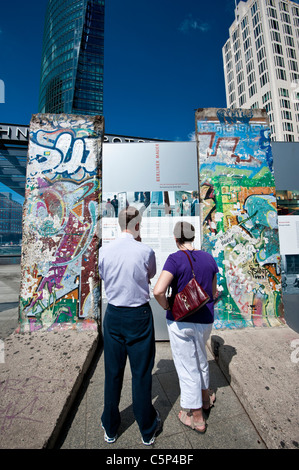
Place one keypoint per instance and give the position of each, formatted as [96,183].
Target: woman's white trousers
[188,346]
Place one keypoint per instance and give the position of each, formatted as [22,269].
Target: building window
[251,78]
[294,76]
[248,54]
[266,97]
[274,24]
[262,66]
[264,79]
[236,45]
[296,23]
[261,54]
[239,67]
[252,90]
[268,107]
[249,67]
[289,41]
[283,6]
[256,19]
[287,126]
[275,36]
[286,115]
[242,100]
[237,56]
[280,74]
[279,61]
[246,44]
[293,66]
[287,29]
[235,34]
[245,33]
[277,48]
[227,46]
[285,17]
[259,42]
[295,11]
[229,66]
[291,53]
[244,22]
[231,87]
[232,97]
[228,56]
[254,9]
[258,30]
[240,77]
[285,104]
[272,12]
[241,88]
[283,92]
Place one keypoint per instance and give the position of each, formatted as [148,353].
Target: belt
[124,306]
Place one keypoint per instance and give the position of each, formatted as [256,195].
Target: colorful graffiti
[60,287]
[239,215]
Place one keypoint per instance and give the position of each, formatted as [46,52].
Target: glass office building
[73,58]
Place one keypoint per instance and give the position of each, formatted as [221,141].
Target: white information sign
[288,226]
[161,181]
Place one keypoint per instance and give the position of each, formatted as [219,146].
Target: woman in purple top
[188,338]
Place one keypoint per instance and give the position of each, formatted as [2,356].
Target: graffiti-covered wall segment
[60,285]
[239,215]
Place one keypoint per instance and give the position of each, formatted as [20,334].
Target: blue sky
[163,60]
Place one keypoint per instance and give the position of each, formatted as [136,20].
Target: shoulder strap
[189,261]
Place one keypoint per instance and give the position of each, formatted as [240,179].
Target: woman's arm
[161,288]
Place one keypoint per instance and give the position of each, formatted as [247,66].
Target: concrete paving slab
[8,322]
[10,278]
[261,366]
[52,389]
[228,424]
[40,375]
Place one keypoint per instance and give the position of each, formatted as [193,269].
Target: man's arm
[152,267]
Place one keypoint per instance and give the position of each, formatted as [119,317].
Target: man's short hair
[128,218]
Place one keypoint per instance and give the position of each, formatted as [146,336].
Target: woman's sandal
[197,426]
[207,404]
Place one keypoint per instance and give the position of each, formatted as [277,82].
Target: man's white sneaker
[156,432]
[108,439]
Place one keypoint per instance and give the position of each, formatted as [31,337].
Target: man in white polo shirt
[126,267]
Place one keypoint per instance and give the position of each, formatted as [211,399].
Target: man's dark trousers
[129,332]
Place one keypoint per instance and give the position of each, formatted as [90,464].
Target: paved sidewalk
[229,427]
[51,388]
[256,407]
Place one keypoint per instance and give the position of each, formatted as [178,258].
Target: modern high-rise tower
[73,58]
[261,65]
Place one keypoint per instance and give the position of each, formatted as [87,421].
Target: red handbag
[190,299]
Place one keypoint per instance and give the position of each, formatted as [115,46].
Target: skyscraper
[261,66]
[73,58]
